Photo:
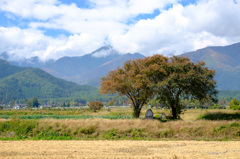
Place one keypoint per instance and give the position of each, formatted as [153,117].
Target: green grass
[64,117]
[122,129]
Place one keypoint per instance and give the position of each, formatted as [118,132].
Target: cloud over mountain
[55,28]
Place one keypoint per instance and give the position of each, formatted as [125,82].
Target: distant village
[18,106]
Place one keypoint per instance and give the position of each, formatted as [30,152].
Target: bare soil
[119,149]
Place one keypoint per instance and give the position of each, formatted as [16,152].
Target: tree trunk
[136,111]
[174,112]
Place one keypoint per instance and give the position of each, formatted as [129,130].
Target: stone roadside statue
[149,114]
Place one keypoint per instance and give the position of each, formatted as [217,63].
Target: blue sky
[51,29]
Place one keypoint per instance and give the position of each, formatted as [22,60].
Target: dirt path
[119,149]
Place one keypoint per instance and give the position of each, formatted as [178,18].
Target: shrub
[95,105]
[217,106]
[234,104]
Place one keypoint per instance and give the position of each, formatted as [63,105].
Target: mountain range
[225,60]
[89,69]
[25,82]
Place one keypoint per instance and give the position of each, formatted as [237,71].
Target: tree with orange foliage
[167,79]
[95,105]
[131,81]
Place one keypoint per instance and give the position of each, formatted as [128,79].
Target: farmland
[119,149]
[115,112]
[113,133]
[118,124]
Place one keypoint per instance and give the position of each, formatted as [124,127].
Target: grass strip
[64,117]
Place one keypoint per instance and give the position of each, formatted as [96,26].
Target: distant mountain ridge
[225,60]
[87,69]
[93,76]
[225,57]
[6,69]
[70,67]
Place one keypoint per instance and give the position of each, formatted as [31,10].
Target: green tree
[130,81]
[33,103]
[68,104]
[179,78]
[234,104]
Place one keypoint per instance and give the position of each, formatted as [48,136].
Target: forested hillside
[21,83]
[6,69]
[35,82]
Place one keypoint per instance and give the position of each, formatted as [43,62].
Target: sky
[51,29]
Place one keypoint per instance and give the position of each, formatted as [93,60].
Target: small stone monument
[149,114]
[163,116]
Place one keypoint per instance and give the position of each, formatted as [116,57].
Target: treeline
[81,100]
[84,99]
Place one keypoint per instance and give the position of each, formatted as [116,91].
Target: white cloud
[40,9]
[28,43]
[174,31]
[143,6]
[181,29]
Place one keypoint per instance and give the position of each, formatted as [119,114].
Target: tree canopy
[33,103]
[130,81]
[179,78]
[95,105]
[170,80]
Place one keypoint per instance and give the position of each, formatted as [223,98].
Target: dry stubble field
[119,149]
[128,148]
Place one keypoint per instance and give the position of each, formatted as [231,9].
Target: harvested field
[119,149]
